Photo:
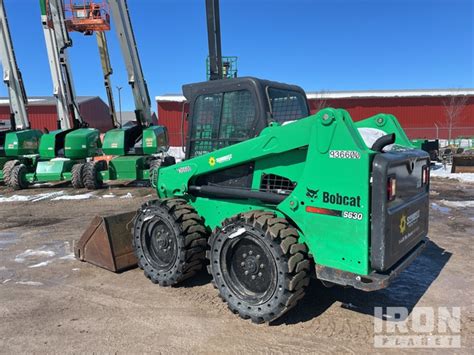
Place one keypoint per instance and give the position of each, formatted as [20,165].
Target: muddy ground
[50,302]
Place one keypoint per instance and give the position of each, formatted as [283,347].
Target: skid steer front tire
[258,266]
[77,173]
[169,241]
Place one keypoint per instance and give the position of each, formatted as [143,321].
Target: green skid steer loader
[269,195]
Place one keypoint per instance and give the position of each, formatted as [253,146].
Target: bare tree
[453,107]
[321,101]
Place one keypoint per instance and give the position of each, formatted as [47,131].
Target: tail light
[425,175]
[391,188]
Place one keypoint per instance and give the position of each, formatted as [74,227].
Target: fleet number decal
[344,154]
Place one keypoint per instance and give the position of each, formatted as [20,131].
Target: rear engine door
[400,193]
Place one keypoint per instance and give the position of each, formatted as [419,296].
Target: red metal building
[42,112]
[422,113]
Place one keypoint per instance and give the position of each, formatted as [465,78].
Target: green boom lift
[63,152]
[137,149]
[19,144]
[269,195]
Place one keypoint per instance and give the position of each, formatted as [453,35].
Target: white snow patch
[177,153]
[20,258]
[32,198]
[439,208]
[76,269]
[46,196]
[74,197]
[238,232]
[15,198]
[2,268]
[67,257]
[4,282]
[439,171]
[457,203]
[108,196]
[41,264]
[128,195]
[29,283]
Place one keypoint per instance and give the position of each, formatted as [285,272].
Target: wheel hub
[249,266]
[161,245]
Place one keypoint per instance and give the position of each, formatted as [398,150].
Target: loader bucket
[107,242]
[463,163]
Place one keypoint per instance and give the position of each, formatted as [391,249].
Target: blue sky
[318,44]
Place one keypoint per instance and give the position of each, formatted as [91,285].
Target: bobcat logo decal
[311,193]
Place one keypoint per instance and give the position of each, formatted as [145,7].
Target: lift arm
[57,41]
[123,25]
[214,38]
[107,70]
[12,76]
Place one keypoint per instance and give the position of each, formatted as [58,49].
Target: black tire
[169,241]
[154,165]
[258,266]
[91,176]
[7,168]
[77,176]
[18,177]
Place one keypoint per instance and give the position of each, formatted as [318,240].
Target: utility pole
[119,88]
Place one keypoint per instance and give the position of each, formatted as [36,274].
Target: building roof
[46,100]
[324,94]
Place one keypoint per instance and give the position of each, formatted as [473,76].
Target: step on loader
[269,195]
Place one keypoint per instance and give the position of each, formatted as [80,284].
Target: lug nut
[258,256]
[246,272]
[244,255]
[253,277]
[260,274]
[242,264]
[262,266]
[250,252]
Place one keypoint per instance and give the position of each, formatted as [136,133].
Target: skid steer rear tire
[91,176]
[7,169]
[77,173]
[18,177]
[258,266]
[169,241]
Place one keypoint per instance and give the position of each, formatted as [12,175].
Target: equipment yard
[54,303]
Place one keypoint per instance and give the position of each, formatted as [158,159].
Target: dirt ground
[50,302]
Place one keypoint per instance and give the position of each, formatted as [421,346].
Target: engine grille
[276,184]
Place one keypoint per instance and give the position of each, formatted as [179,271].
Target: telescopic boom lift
[138,149]
[19,143]
[73,143]
[57,42]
